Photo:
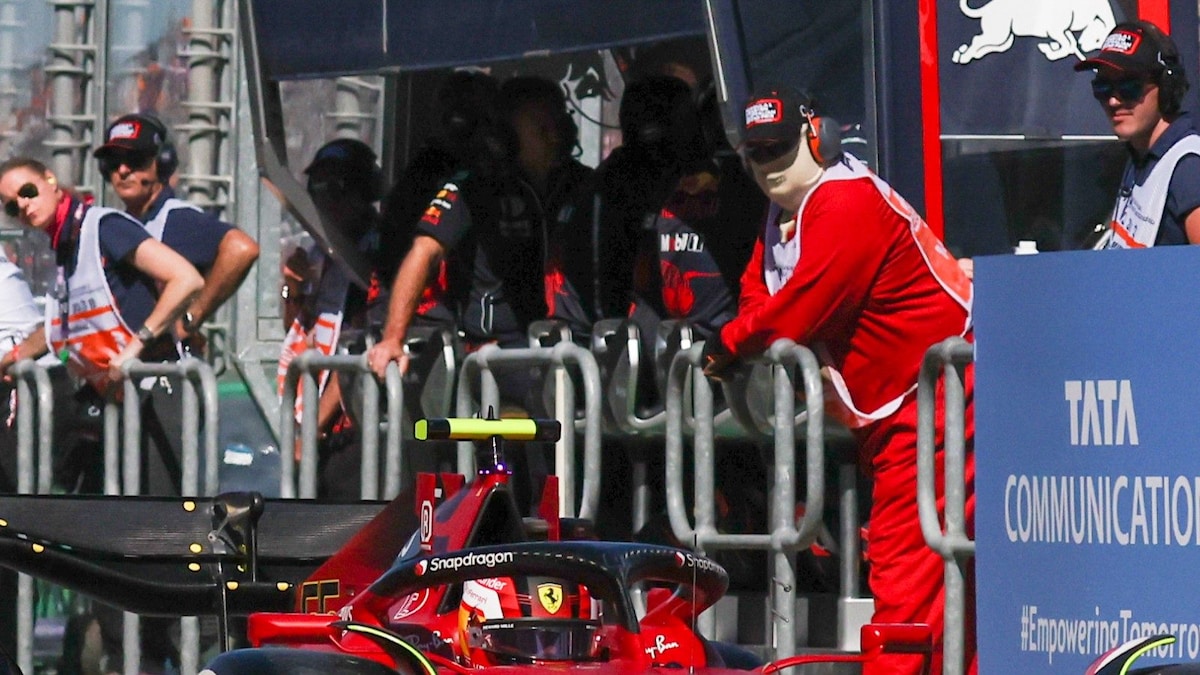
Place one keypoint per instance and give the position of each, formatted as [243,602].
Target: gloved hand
[716,359]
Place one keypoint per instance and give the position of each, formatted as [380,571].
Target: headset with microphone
[166,159]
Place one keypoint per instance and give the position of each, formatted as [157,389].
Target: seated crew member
[659,247]
[547,137]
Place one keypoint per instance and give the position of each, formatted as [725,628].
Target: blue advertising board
[1088,456]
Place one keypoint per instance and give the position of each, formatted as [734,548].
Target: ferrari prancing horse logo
[551,597]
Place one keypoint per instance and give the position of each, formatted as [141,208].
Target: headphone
[1172,81]
[823,137]
[166,160]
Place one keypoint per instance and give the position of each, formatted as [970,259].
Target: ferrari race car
[476,585]
[447,577]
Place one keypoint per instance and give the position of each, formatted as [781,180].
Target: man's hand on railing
[716,359]
[384,352]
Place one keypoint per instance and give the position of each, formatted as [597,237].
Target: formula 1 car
[448,576]
[476,586]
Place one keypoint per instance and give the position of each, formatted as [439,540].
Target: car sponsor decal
[459,561]
[411,604]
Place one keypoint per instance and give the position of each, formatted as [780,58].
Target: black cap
[1134,47]
[142,134]
[346,156]
[776,115]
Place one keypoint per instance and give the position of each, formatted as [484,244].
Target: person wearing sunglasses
[138,160]
[844,265]
[1139,82]
[93,247]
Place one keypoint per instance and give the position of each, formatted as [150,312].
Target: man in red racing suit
[846,267]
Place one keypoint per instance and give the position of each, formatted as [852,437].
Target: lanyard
[64,256]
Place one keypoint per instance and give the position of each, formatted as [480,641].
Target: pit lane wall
[1088,456]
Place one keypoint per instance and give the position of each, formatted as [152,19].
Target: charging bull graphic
[1068,27]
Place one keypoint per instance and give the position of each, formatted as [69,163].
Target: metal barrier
[305,367]
[784,537]
[946,358]
[489,358]
[190,372]
[33,462]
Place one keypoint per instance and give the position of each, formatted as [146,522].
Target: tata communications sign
[1088,456]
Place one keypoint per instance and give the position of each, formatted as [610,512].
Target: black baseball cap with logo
[140,134]
[775,116]
[1133,47]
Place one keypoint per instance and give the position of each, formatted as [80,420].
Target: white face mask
[788,179]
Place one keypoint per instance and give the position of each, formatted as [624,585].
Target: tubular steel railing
[483,363]
[785,536]
[946,359]
[305,368]
[190,373]
[34,466]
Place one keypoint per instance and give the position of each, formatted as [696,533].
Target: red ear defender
[824,137]
[814,139]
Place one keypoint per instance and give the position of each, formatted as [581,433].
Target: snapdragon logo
[468,560]
[1102,412]
[689,560]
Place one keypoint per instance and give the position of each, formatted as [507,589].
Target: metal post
[946,358]
[305,368]
[65,70]
[394,439]
[10,28]
[209,104]
[31,443]
[785,536]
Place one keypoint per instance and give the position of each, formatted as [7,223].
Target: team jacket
[863,282]
[95,331]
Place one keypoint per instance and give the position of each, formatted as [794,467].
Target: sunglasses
[113,161]
[1128,90]
[11,208]
[765,153]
